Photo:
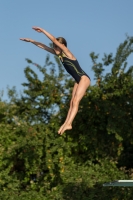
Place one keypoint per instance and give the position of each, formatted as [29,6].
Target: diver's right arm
[43,46]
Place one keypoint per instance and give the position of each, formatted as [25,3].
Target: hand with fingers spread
[38,29]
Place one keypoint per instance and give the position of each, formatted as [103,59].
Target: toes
[60,129]
[63,130]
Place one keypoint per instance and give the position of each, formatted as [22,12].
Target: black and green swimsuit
[73,68]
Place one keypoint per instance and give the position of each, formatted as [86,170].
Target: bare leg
[69,111]
[82,87]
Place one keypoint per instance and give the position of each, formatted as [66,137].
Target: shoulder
[69,55]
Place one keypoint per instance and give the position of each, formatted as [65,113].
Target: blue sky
[87,25]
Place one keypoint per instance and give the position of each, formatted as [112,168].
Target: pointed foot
[66,127]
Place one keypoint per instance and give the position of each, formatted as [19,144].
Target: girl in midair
[72,67]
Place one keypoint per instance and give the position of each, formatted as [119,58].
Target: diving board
[120,183]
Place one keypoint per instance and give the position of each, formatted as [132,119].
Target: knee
[75,101]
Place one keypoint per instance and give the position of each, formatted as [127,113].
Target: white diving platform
[120,183]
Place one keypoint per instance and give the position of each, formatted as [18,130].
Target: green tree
[37,163]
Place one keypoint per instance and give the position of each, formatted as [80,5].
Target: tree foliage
[37,163]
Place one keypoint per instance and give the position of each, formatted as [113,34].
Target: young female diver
[72,67]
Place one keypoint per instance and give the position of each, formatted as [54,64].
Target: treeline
[38,164]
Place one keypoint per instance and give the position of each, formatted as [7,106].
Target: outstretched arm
[53,39]
[43,46]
